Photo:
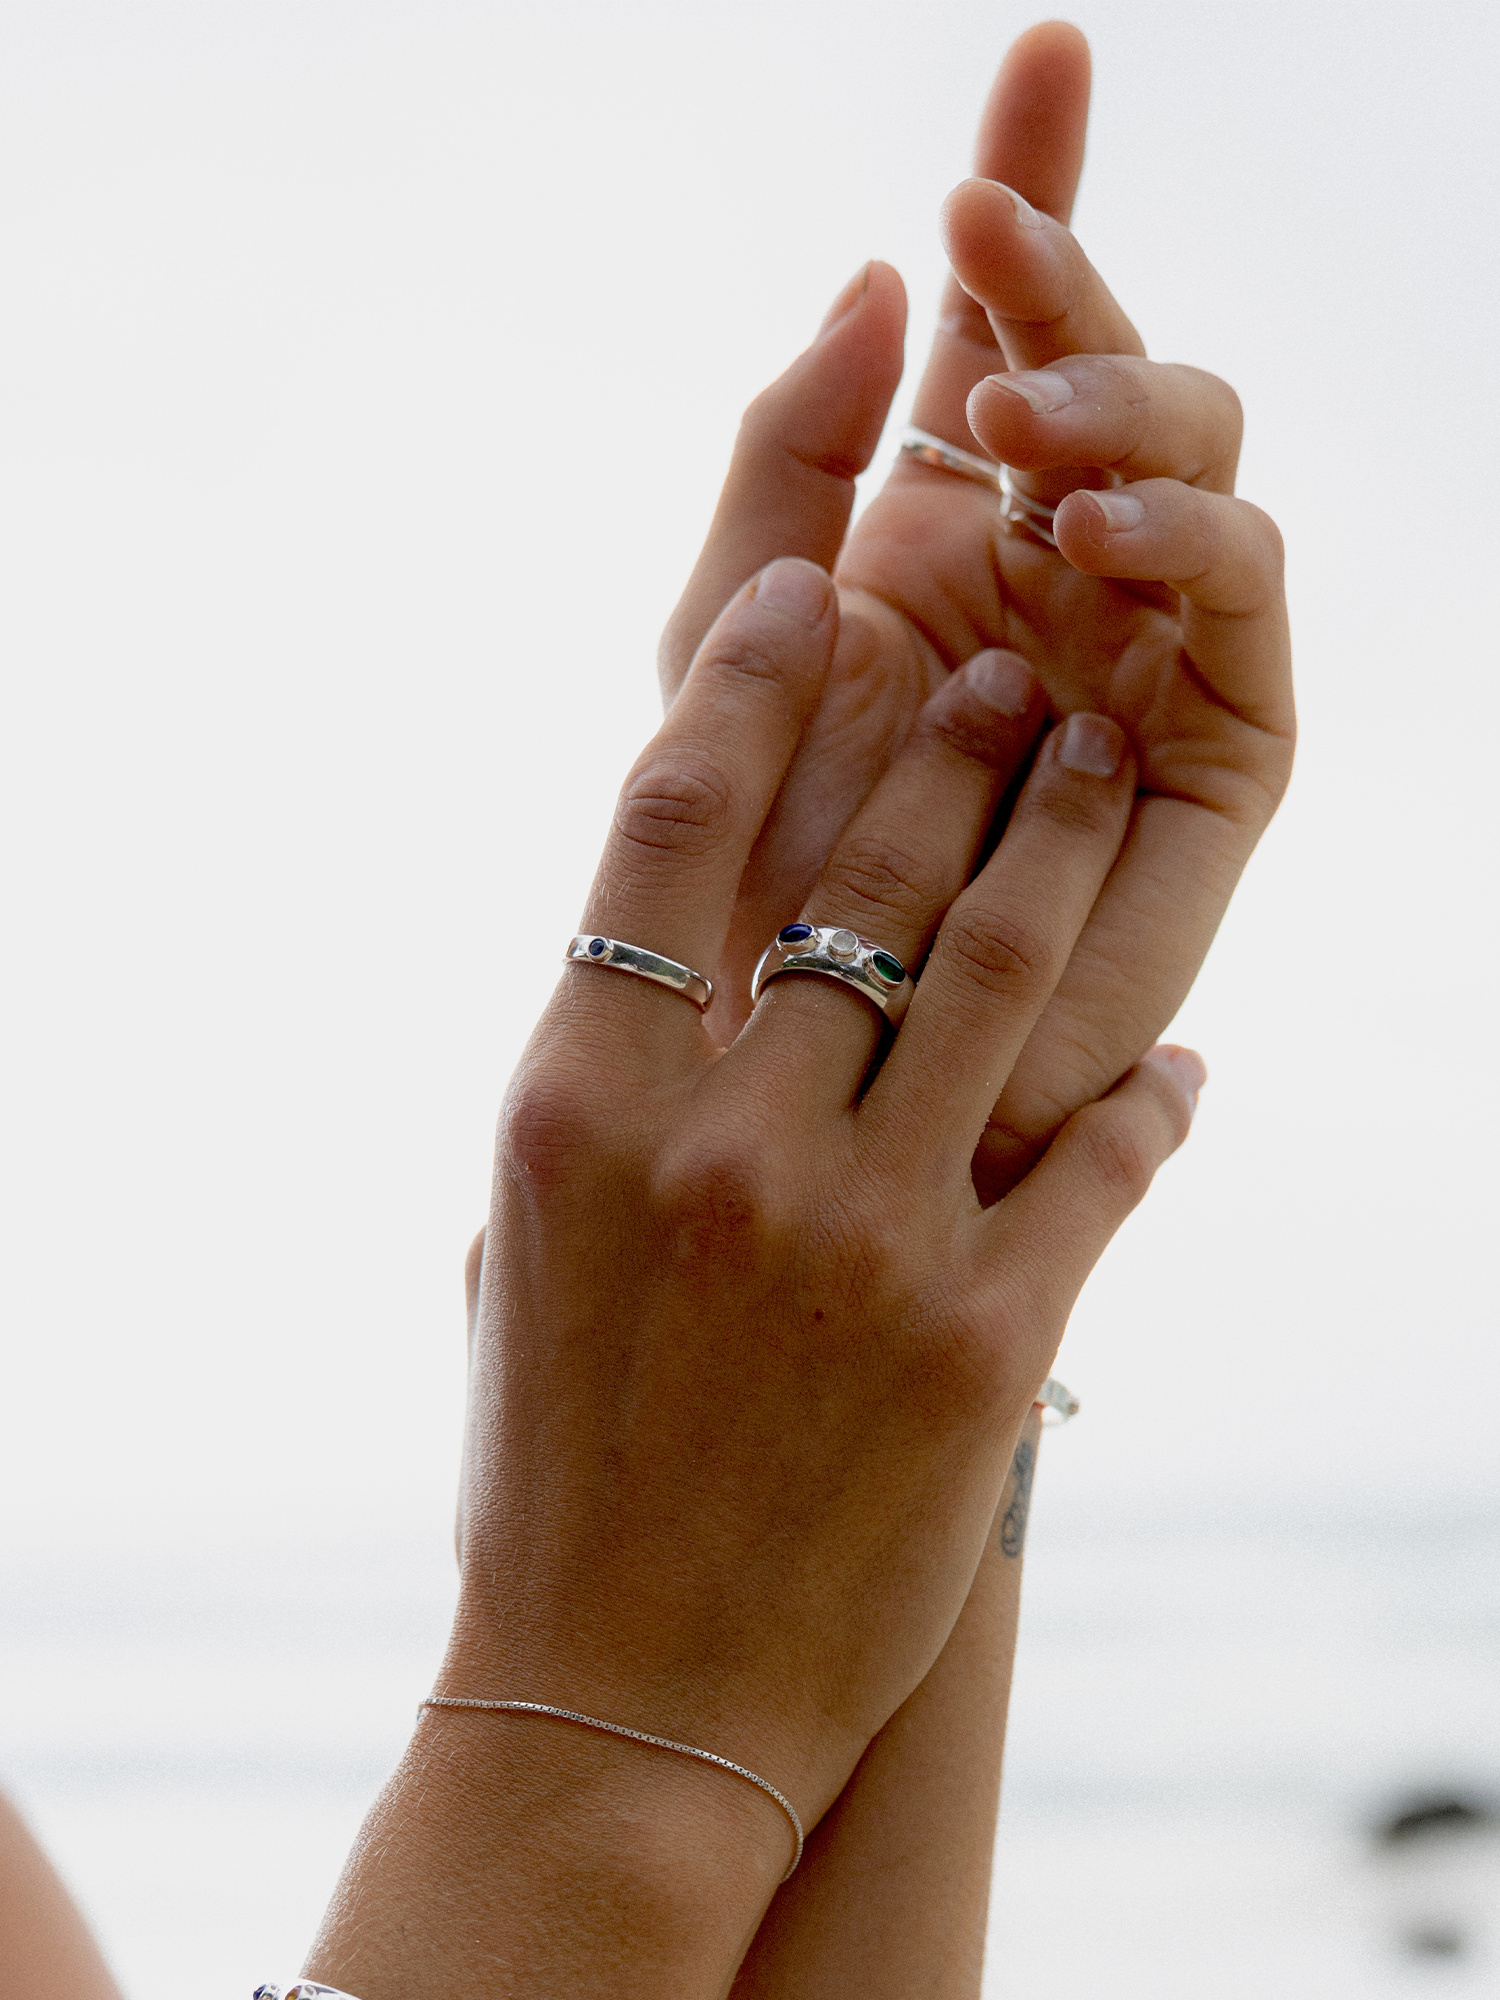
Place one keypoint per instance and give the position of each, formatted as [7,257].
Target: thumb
[790,487]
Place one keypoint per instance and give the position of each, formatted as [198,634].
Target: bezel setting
[833,951]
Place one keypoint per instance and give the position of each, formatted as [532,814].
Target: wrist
[515,1850]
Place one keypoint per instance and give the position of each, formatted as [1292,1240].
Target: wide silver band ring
[1022,509]
[1056,1403]
[835,953]
[590,949]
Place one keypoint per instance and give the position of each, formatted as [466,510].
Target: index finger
[692,808]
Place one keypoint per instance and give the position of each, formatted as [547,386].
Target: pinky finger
[1051,1230]
[1224,558]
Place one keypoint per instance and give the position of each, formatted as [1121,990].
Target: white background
[366,376]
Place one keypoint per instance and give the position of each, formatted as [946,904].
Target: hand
[1174,624]
[749,1359]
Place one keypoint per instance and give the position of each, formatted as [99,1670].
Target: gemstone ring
[834,953]
[586,949]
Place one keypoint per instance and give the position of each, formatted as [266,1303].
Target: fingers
[1041,295]
[1224,557]
[1139,419]
[1031,136]
[691,809]
[790,486]
[1035,121]
[1004,943]
[897,867]
[1130,971]
[1045,1238]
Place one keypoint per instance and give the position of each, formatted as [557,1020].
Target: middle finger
[898,865]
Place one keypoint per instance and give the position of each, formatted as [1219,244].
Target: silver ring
[301,1989]
[588,949]
[835,953]
[1060,1401]
[1021,509]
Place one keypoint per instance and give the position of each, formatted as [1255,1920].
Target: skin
[1172,624]
[46,1952]
[893,1894]
[747,1387]
[1176,627]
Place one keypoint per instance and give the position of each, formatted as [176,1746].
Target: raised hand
[750,1360]
[1162,605]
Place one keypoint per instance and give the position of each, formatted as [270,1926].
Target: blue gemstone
[794,934]
[598,947]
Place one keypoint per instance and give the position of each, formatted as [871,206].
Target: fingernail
[1091,743]
[1001,682]
[1120,510]
[796,588]
[1041,390]
[1186,1067]
[846,301]
[1026,215]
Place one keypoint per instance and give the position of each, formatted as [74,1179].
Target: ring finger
[899,864]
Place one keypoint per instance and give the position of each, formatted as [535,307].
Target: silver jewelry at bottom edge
[302,1989]
[1056,1403]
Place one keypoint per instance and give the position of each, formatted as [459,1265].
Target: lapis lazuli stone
[794,934]
[888,967]
[598,947]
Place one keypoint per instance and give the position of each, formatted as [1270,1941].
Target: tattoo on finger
[1013,1521]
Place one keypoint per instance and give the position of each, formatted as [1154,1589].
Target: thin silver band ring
[833,952]
[589,949]
[1021,509]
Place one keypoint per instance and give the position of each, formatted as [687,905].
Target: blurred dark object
[1438,1815]
[1439,1860]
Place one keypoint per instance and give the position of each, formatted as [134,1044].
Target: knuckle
[1226,410]
[1076,806]
[873,872]
[1002,953]
[1270,543]
[1123,379]
[675,805]
[1117,1154]
[715,1193]
[548,1121]
[1238,558]
[761,423]
[735,653]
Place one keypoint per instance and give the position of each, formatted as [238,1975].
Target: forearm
[892,1896]
[516,1854]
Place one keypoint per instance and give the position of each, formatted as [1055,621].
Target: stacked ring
[587,949]
[1022,509]
[835,953]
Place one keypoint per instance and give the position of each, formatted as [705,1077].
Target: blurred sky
[367,373]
